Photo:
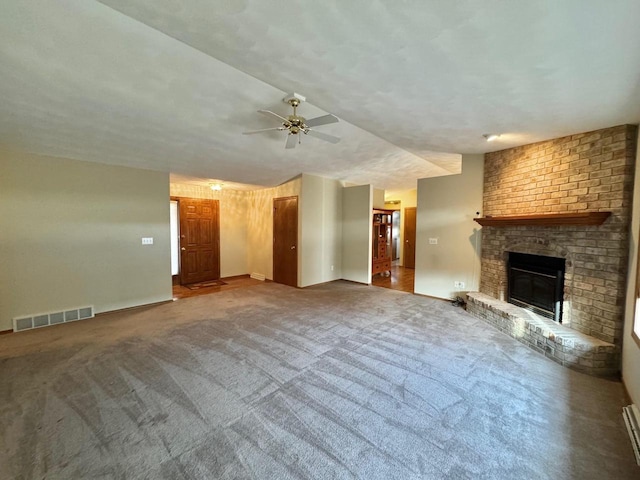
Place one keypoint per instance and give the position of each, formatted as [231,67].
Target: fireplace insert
[536,283]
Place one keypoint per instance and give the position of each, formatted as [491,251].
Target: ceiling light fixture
[216,187]
[491,136]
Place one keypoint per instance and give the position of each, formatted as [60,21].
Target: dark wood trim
[384,211]
[5,332]
[546,220]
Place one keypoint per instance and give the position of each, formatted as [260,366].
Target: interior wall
[630,348]
[357,206]
[321,230]
[446,209]
[378,198]
[70,236]
[408,198]
[260,226]
[233,224]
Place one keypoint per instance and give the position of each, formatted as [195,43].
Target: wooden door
[409,250]
[285,240]
[199,240]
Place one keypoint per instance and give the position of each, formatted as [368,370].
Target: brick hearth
[585,172]
[561,344]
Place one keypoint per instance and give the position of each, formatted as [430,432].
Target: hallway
[401,278]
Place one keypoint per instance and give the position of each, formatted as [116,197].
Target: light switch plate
[433,241]
[147,240]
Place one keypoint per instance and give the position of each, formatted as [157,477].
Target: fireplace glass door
[536,283]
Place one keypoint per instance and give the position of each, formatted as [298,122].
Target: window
[636,314]
[173,210]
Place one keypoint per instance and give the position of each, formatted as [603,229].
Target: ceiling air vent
[29,322]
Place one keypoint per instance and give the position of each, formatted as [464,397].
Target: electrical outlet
[433,241]
[458,285]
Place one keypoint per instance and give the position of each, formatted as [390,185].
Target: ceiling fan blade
[291,141]
[263,130]
[323,136]
[269,112]
[323,120]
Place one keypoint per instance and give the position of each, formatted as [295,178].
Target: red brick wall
[590,171]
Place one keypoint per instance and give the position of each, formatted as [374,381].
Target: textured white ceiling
[170,85]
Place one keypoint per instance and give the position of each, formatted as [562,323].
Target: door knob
[183,249]
[293,247]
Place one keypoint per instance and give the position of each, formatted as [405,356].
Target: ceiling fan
[296,125]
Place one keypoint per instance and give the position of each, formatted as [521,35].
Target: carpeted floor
[337,381]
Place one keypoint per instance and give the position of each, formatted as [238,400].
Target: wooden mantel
[546,219]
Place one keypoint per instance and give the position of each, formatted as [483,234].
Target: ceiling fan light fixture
[295,125]
[491,136]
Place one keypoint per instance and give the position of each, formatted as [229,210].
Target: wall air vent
[29,322]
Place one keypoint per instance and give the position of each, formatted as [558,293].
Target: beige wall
[246,227]
[320,230]
[630,349]
[357,205]
[378,198]
[260,226]
[70,236]
[233,225]
[446,209]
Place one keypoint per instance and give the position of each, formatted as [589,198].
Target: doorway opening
[395,235]
[174,227]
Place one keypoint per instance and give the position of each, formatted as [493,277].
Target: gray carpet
[337,381]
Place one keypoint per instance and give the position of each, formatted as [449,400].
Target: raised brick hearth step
[559,343]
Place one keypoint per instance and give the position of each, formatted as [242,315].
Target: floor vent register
[30,322]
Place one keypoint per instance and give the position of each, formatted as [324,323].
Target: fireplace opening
[536,283]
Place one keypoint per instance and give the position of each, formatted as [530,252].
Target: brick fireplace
[587,172]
